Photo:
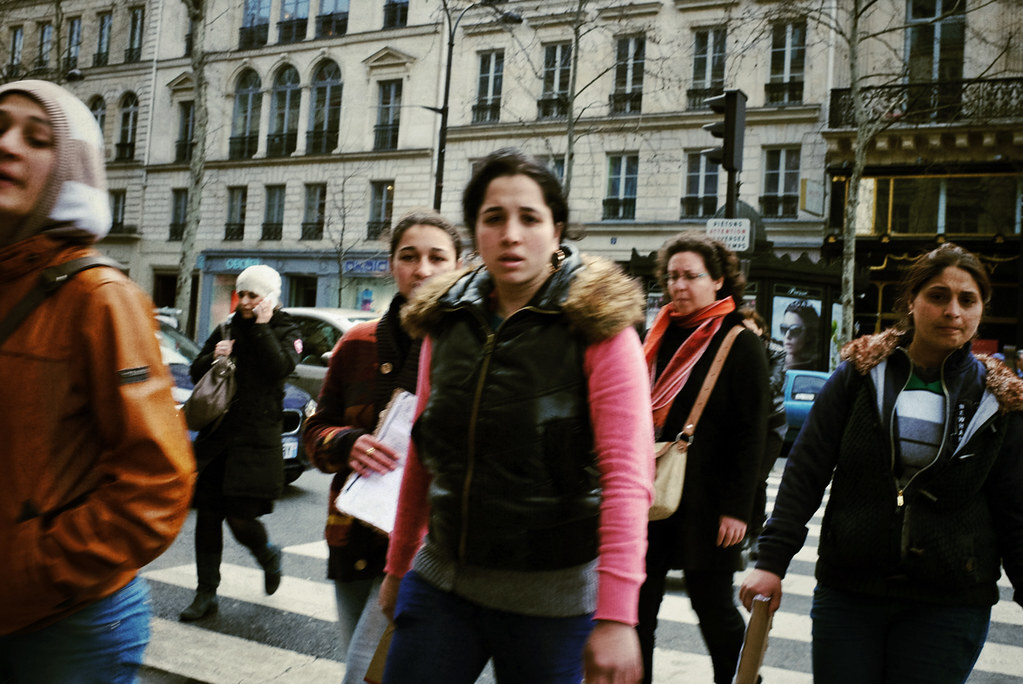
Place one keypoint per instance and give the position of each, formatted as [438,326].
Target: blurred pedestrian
[240,458]
[703,537]
[922,444]
[532,454]
[369,363]
[96,466]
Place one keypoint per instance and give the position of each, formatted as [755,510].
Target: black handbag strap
[49,282]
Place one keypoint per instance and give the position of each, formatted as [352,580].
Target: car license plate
[290,449]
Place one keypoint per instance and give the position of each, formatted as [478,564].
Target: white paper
[373,498]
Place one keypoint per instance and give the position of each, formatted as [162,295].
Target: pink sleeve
[413,509]
[619,395]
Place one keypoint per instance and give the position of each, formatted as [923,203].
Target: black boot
[207,567]
[270,560]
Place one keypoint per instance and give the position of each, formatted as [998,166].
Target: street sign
[733,233]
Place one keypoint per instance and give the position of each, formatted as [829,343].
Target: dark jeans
[860,639]
[713,599]
[440,637]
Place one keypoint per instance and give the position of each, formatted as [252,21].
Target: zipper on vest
[488,349]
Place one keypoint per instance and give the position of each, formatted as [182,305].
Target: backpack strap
[49,282]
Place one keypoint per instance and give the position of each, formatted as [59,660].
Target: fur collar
[600,302]
[864,353]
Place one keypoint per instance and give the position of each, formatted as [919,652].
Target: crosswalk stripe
[223,659]
[316,549]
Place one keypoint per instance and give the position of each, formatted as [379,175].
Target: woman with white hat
[241,467]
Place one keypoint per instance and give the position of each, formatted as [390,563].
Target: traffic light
[733,105]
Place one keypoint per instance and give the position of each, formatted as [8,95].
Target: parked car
[801,390]
[178,353]
[321,328]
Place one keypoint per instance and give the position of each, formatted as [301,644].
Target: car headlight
[310,408]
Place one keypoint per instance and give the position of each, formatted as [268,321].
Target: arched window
[284,99]
[245,122]
[325,109]
[129,124]
[99,112]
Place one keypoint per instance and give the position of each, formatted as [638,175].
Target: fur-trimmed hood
[598,299]
[864,353]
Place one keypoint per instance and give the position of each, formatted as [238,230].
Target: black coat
[724,459]
[249,437]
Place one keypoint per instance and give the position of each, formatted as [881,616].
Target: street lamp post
[442,135]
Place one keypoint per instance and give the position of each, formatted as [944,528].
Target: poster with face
[796,322]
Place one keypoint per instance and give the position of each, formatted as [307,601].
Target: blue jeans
[361,624]
[101,644]
[860,639]
[440,637]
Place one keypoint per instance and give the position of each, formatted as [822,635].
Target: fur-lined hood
[864,353]
[598,299]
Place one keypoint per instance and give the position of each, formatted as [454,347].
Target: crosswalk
[203,652]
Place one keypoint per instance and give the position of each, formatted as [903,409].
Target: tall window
[333,18]
[622,182]
[935,48]
[129,124]
[708,66]
[179,214]
[45,45]
[381,206]
[245,121]
[255,24]
[133,53]
[118,199]
[186,132]
[14,59]
[74,43]
[284,99]
[99,112]
[324,109]
[788,54]
[701,198]
[627,97]
[104,21]
[488,88]
[315,211]
[557,69]
[294,20]
[273,221]
[388,116]
[781,183]
[234,229]
[395,13]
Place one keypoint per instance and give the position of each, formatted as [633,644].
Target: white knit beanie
[260,280]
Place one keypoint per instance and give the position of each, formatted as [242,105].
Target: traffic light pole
[732,198]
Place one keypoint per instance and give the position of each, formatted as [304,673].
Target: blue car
[178,353]
[801,390]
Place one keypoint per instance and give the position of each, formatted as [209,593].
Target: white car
[321,328]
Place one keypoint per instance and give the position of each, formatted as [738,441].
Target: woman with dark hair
[922,444]
[800,330]
[702,279]
[531,457]
[369,363]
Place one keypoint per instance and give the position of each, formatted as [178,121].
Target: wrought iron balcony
[281,144]
[783,93]
[487,111]
[696,97]
[242,146]
[375,229]
[332,25]
[124,151]
[975,101]
[177,232]
[626,103]
[779,206]
[291,30]
[385,136]
[250,37]
[132,54]
[552,107]
[234,231]
[696,206]
[183,150]
[312,230]
[320,142]
[395,14]
[619,208]
[272,231]
[100,59]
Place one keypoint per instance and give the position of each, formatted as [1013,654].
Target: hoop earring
[557,259]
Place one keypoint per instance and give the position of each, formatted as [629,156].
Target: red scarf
[707,322]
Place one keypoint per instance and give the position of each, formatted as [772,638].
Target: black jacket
[941,537]
[249,437]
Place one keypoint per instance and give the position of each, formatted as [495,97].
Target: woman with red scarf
[702,280]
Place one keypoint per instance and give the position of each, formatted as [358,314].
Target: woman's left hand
[264,310]
[730,531]
[612,655]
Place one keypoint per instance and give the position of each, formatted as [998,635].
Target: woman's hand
[730,531]
[612,654]
[389,595]
[762,583]
[223,348]
[264,310]
[369,455]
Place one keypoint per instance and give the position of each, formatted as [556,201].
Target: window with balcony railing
[555,107]
[272,231]
[385,132]
[622,186]
[375,229]
[124,151]
[132,54]
[251,37]
[779,206]
[332,25]
[292,30]
[234,231]
[177,232]
[70,62]
[696,97]
[696,206]
[395,14]
[619,208]
[100,59]
[486,112]
[183,150]
[783,93]
[626,103]
[312,230]
[385,137]
[320,142]
[281,144]
[630,60]
[242,146]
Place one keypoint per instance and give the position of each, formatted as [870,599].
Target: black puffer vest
[506,433]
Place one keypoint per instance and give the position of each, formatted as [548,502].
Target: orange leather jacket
[96,469]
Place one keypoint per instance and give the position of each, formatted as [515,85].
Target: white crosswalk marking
[197,652]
